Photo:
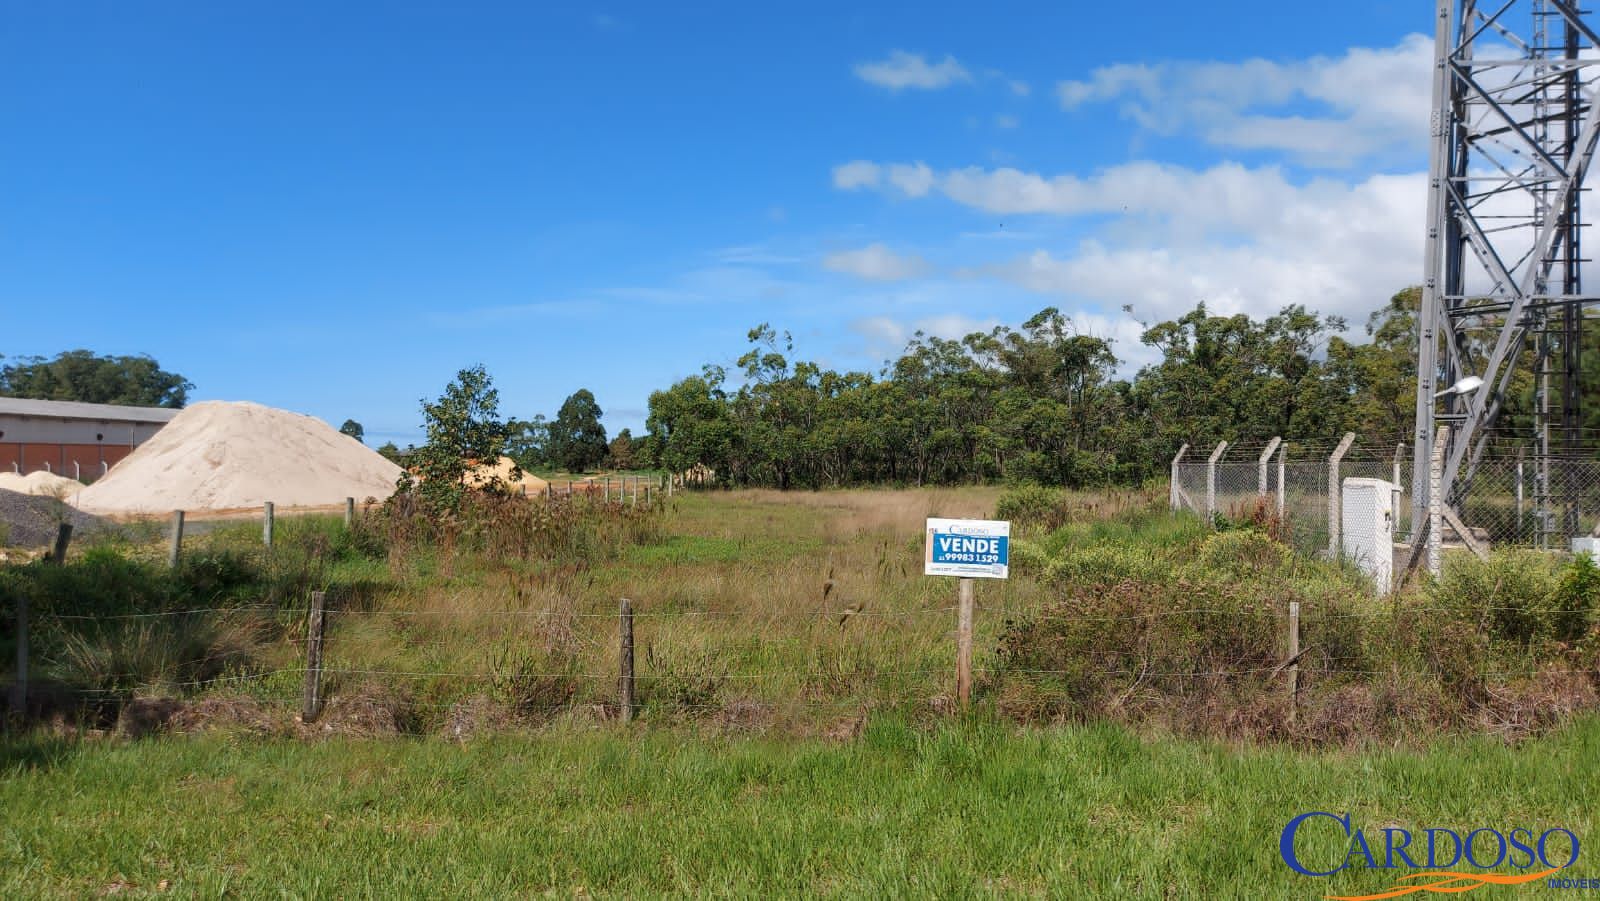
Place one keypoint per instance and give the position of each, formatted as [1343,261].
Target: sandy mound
[41,483]
[220,455]
[499,474]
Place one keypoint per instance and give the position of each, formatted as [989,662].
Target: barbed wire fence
[321,648]
[323,670]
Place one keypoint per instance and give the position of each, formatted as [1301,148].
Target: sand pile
[44,484]
[220,455]
[498,474]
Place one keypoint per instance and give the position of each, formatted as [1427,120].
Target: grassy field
[965,809]
[739,606]
[796,732]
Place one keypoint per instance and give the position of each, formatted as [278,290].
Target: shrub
[1103,640]
[1574,600]
[1241,553]
[1032,505]
[1509,597]
[1028,557]
[1101,565]
[580,529]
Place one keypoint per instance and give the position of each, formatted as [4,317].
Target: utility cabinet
[1368,527]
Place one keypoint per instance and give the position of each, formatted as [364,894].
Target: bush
[1575,597]
[1510,597]
[1105,639]
[1103,565]
[581,529]
[1032,505]
[1242,553]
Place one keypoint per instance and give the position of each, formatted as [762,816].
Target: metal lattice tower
[1514,130]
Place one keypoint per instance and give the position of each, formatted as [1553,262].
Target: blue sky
[333,207]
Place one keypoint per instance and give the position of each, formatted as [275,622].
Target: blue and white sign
[969,548]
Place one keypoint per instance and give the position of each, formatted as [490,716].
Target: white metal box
[1367,527]
[1590,546]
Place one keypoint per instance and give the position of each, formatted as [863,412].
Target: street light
[1466,386]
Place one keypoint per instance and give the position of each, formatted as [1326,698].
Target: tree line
[1042,401]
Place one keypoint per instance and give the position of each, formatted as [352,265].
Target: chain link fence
[1512,498]
[1290,482]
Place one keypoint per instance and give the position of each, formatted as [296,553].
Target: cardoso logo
[1533,856]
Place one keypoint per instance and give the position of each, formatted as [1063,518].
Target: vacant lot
[1131,733]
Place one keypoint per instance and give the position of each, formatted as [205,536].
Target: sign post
[969,549]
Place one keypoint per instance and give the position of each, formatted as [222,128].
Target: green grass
[965,809]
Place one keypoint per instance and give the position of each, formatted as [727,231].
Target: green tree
[528,442]
[80,375]
[577,439]
[690,423]
[354,430]
[391,452]
[463,428]
[620,454]
[1233,378]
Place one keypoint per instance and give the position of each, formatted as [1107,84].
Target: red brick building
[80,441]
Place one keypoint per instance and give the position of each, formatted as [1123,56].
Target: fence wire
[1508,500]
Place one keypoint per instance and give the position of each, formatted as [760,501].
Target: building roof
[63,409]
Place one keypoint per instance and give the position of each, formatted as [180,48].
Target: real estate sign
[969,548]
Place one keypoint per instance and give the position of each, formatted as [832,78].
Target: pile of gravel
[29,520]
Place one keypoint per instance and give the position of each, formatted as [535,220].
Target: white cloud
[1243,239]
[856,174]
[887,335]
[1006,121]
[1367,101]
[1019,87]
[878,263]
[910,70]
[910,179]
[913,180]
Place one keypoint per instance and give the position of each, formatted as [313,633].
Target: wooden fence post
[349,512]
[58,556]
[964,643]
[175,547]
[1294,659]
[311,701]
[19,689]
[266,525]
[625,660]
